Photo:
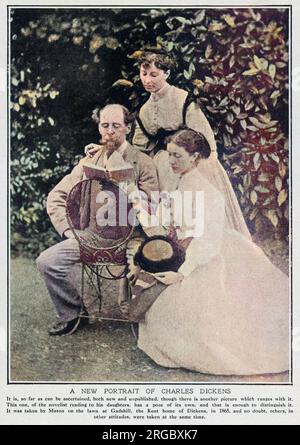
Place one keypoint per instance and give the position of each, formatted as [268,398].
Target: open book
[118,174]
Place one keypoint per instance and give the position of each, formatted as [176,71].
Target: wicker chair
[102,243]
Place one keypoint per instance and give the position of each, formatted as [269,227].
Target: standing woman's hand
[91,149]
[168,278]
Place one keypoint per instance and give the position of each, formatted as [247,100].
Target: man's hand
[69,234]
[168,278]
[91,149]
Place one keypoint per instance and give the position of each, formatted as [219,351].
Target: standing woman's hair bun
[159,56]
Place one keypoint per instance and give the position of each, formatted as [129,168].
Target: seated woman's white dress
[164,110]
[230,314]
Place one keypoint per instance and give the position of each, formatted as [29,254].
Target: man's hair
[128,117]
[160,57]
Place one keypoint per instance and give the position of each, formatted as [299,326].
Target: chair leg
[91,281]
[135,330]
[82,288]
[134,327]
[123,291]
[124,295]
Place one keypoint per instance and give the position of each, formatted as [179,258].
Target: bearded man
[56,262]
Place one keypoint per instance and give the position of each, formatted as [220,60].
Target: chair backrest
[101,219]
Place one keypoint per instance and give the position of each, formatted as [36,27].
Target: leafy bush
[64,63]
[235,62]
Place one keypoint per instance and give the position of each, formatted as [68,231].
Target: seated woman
[226,310]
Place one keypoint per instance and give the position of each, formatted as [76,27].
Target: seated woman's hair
[159,254]
[128,117]
[161,59]
[192,142]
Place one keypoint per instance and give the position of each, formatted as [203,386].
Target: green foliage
[65,63]
[31,174]
[235,62]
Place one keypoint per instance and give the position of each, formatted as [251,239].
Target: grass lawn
[100,352]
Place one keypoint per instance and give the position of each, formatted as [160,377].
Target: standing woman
[168,109]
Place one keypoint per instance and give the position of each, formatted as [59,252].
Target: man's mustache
[108,139]
[110,145]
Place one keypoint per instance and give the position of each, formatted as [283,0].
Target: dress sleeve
[56,201]
[139,140]
[147,180]
[204,248]
[196,120]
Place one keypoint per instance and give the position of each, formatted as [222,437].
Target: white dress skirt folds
[230,313]
[164,109]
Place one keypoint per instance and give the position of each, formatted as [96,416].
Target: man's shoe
[68,327]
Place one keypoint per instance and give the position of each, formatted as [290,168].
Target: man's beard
[111,145]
